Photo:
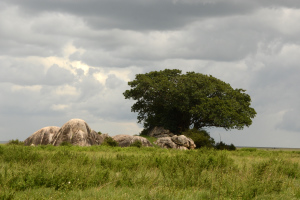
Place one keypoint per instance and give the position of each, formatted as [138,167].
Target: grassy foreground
[102,172]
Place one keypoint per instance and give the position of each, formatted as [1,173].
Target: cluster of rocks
[127,140]
[176,142]
[78,132]
[166,139]
[75,131]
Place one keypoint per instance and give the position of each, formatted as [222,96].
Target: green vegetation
[222,146]
[178,101]
[65,143]
[110,142]
[136,143]
[15,142]
[201,138]
[104,172]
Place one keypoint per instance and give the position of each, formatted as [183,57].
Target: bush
[137,143]
[65,143]
[222,146]
[99,132]
[1,150]
[201,138]
[110,142]
[15,142]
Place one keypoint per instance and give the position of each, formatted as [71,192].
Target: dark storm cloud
[210,30]
[137,14]
[145,14]
[20,35]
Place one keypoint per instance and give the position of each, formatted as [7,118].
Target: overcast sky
[64,59]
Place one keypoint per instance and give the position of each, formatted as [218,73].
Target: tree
[179,101]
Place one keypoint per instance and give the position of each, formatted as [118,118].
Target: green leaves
[177,101]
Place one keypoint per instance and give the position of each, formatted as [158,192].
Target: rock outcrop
[176,142]
[103,136]
[127,140]
[159,132]
[42,137]
[77,132]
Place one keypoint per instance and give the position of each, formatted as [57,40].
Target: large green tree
[179,101]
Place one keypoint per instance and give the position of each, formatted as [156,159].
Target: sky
[65,59]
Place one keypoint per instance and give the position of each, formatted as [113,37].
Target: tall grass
[103,172]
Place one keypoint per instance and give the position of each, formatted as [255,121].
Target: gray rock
[77,132]
[160,132]
[176,142]
[42,137]
[123,140]
[166,142]
[181,140]
[127,140]
[104,136]
[145,141]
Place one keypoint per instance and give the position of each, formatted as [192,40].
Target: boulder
[77,132]
[182,140]
[166,142]
[176,142]
[104,136]
[127,140]
[160,132]
[145,141]
[42,137]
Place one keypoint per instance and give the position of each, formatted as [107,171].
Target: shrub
[137,143]
[99,132]
[65,143]
[15,142]
[7,194]
[110,142]
[201,138]
[1,150]
[222,146]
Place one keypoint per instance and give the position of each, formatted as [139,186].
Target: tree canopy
[179,101]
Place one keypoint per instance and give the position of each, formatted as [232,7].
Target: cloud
[23,73]
[37,35]
[136,14]
[112,82]
[290,121]
[228,38]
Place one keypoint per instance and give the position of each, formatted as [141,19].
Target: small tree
[179,101]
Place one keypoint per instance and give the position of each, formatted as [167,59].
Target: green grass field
[102,172]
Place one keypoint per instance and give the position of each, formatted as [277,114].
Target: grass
[103,172]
